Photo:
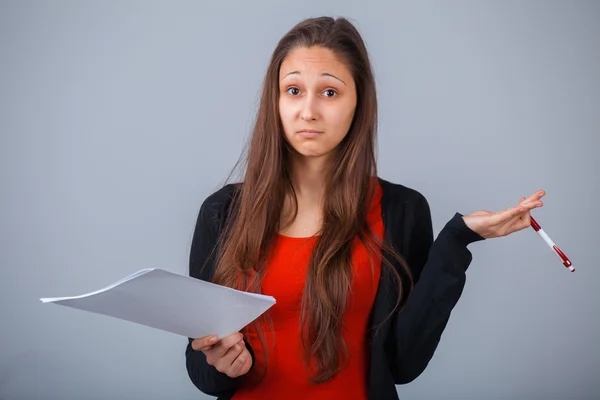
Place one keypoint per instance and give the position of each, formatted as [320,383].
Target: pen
[565,260]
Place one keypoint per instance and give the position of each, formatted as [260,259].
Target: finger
[503,217]
[530,205]
[536,196]
[224,364]
[204,343]
[521,200]
[242,363]
[522,219]
[525,221]
[248,363]
[218,350]
[506,215]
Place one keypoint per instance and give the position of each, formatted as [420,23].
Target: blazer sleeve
[201,266]
[441,266]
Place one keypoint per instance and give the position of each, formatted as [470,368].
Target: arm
[442,264]
[202,258]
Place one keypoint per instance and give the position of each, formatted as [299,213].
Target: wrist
[460,232]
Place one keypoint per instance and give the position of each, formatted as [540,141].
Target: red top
[287,377]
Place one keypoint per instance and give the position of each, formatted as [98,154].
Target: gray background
[118,118]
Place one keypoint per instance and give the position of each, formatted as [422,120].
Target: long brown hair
[257,205]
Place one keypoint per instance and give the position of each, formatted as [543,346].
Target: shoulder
[215,207]
[407,218]
[396,196]
[222,197]
[406,210]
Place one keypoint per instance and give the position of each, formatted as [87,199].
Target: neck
[308,177]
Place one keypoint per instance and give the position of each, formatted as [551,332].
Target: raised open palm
[502,223]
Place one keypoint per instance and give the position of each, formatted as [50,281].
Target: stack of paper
[174,303]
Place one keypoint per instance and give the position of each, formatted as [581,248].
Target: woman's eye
[329,93]
[293,91]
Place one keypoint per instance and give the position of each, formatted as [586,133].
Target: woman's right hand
[228,355]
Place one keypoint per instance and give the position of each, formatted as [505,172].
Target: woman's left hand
[502,223]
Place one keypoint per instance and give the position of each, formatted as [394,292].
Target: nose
[309,109]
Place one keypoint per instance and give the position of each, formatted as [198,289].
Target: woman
[363,292]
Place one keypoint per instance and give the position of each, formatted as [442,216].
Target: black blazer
[406,342]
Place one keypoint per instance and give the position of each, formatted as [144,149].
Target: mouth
[309,133]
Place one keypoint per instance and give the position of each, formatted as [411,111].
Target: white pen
[563,258]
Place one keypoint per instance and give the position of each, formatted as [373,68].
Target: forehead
[313,60]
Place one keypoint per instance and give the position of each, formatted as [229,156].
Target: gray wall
[118,118]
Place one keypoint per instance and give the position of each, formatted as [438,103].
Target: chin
[314,154]
[311,151]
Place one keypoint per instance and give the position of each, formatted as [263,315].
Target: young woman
[363,291]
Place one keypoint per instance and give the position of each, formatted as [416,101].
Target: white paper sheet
[174,303]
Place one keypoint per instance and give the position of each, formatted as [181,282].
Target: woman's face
[317,100]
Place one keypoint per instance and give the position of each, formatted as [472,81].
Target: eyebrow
[323,74]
